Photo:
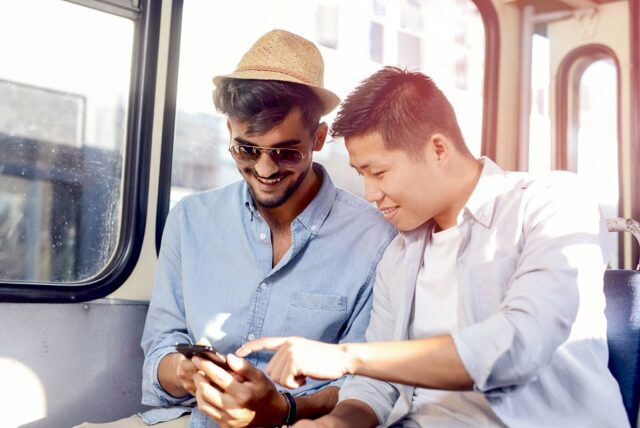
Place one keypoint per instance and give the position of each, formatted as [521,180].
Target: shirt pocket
[316,316]
[489,283]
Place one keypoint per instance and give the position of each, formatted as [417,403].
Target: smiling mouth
[269,180]
[389,210]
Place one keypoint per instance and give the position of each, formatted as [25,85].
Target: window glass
[441,38]
[539,118]
[63,99]
[597,138]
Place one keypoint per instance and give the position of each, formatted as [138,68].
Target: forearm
[351,414]
[167,375]
[318,404]
[429,363]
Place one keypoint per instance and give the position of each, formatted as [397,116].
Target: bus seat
[622,292]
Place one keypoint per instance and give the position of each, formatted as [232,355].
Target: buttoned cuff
[152,392]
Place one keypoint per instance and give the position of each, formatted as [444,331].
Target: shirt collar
[318,209]
[247,200]
[481,204]
[314,215]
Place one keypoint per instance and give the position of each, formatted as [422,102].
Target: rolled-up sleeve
[379,395]
[560,268]
[165,325]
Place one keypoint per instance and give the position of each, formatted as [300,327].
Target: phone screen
[204,351]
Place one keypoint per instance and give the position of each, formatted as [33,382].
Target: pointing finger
[268,343]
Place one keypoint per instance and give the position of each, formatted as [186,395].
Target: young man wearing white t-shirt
[488,307]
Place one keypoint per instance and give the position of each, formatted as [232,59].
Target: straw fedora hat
[281,55]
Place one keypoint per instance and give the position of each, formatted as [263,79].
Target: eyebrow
[362,167]
[281,144]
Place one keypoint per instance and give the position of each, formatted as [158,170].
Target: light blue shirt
[215,280]
[531,325]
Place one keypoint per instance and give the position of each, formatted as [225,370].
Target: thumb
[243,367]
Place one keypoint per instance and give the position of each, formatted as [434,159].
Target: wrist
[352,358]
[168,375]
[277,412]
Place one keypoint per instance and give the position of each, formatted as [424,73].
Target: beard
[275,200]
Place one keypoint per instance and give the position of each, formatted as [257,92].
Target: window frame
[489,103]
[136,169]
[569,75]
[568,79]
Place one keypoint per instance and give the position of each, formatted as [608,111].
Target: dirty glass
[63,103]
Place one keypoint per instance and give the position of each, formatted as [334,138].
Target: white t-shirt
[436,298]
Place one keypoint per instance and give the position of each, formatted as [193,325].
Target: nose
[265,166]
[372,193]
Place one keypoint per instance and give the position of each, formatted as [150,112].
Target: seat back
[622,291]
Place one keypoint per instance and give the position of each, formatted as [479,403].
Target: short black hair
[264,104]
[404,107]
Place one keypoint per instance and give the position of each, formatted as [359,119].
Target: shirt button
[263,236]
[314,228]
[263,285]
[251,336]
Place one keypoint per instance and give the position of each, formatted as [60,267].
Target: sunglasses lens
[286,156]
[251,154]
[245,153]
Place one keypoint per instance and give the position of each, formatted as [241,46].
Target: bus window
[441,38]
[539,118]
[65,122]
[588,126]
[593,137]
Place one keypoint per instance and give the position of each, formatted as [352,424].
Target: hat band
[277,70]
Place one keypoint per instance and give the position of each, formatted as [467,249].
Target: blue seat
[622,291]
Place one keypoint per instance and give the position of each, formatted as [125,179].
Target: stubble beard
[276,200]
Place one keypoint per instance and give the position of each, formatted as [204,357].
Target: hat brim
[328,99]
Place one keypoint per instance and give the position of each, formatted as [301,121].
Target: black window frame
[136,168]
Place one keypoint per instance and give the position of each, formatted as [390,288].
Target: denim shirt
[215,280]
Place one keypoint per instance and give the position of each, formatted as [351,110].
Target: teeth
[268,180]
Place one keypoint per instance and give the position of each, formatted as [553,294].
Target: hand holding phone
[205,351]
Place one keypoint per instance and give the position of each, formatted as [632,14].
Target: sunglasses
[247,154]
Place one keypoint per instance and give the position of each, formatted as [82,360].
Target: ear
[320,136]
[229,125]
[439,147]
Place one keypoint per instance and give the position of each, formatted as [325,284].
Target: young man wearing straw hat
[282,251]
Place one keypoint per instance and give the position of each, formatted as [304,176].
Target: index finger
[213,372]
[268,343]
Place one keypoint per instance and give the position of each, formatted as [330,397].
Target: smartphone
[204,351]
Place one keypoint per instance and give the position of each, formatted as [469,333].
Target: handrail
[625,225]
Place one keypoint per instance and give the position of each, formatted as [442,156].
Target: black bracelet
[292,409]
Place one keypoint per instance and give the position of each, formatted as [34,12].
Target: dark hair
[404,107]
[264,104]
